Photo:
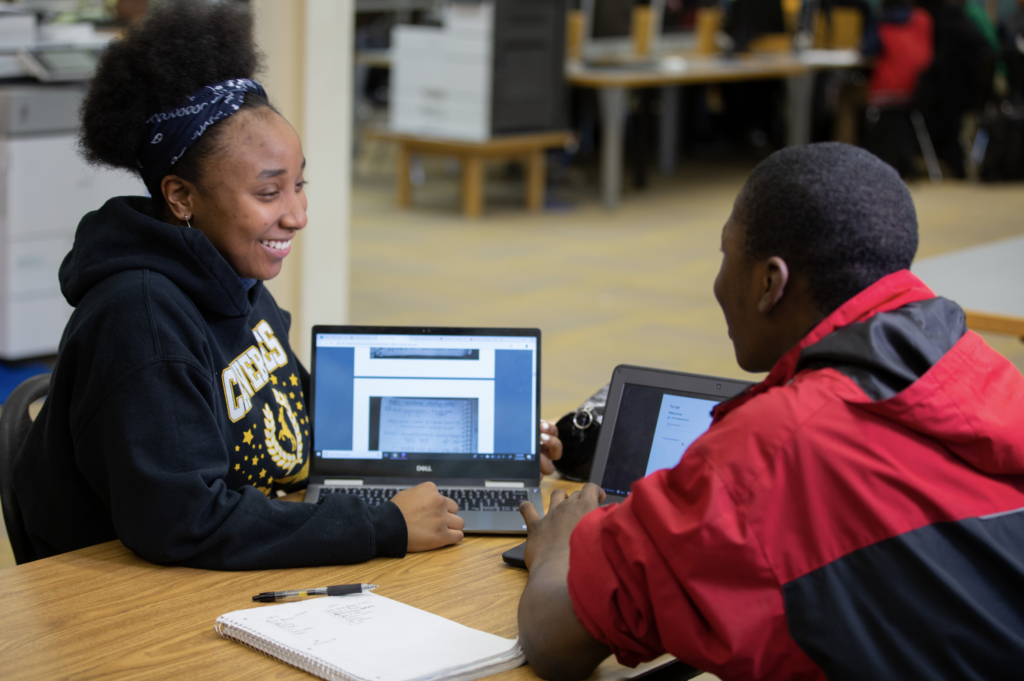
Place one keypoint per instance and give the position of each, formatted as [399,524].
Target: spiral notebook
[366,637]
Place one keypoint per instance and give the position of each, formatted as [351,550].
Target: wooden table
[986,280]
[472,156]
[669,73]
[104,613]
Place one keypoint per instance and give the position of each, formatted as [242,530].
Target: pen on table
[337,590]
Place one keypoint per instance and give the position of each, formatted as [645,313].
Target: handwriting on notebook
[351,613]
[293,624]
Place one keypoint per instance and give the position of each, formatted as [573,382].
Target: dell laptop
[392,407]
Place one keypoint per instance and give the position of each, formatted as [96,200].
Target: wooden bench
[529,148]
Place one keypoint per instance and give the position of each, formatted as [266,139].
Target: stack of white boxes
[45,189]
[441,77]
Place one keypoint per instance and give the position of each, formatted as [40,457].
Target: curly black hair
[839,216]
[180,47]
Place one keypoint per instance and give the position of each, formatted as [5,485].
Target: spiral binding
[289,656]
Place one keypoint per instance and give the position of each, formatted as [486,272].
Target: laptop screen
[445,406]
[652,430]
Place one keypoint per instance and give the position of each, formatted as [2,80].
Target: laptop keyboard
[467,499]
[486,499]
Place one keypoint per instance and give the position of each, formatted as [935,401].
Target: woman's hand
[550,447]
[430,517]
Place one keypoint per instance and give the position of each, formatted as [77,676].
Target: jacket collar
[889,293]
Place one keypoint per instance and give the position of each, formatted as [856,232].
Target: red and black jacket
[858,514]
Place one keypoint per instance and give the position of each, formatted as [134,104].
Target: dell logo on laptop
[423,469]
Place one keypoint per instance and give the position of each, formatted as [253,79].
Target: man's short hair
[839,216]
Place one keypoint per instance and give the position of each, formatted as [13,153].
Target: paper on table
[371,638]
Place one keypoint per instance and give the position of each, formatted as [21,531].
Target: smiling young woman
[176,411]
[252,204]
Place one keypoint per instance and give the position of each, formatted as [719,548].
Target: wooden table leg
[536,178]
[472,186]
[403,183]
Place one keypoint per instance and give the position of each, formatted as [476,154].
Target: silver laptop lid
[400,405]
[651,418]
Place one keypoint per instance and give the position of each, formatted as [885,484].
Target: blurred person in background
[959,80]
[1013,50]
[903,44]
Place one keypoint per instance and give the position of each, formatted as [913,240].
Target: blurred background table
[528,147]
[613,83]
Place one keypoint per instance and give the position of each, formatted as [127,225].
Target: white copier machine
[45,189]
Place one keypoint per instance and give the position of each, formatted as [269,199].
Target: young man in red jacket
[858,514]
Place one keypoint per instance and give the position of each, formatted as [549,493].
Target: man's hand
[550,534]
[556,644]
[430,517]
[550,447]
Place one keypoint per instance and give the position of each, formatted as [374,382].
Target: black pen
[337,590]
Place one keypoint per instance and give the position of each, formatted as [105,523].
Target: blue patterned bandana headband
[171,133]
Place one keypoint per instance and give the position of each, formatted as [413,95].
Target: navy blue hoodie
[175,413]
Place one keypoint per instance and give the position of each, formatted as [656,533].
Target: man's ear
[773,287]
[180,195]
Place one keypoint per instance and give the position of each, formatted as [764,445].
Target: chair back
[841,28]
[14,424]
[641,29]
[779,43]
[575,33]
[708,24]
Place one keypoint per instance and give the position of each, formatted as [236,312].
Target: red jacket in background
[855,515]
[907,50]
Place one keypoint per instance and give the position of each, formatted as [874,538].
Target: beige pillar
[309,48]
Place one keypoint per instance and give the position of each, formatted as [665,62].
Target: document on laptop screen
[653,430]
[447,425]
[428,399]
[681,420]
